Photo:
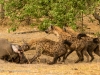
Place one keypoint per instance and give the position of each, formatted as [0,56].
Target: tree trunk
[1,11]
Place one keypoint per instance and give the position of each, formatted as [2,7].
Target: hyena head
[25,47]
[97,10]
[53,30]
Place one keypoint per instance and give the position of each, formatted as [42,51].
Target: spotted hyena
[47,47]
[74,43]
[96,14]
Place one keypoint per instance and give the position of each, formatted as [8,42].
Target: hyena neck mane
[30,45]
[62,35]
[67,42]
[35,42]
[32,41]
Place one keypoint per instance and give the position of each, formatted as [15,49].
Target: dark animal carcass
[11,52]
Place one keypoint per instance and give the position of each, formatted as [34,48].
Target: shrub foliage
[57,12]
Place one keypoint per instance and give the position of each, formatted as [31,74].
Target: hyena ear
[64,29]
[51,26]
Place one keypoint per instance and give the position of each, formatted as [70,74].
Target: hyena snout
[46,31]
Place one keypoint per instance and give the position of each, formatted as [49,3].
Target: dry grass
[44,69]
[68,68]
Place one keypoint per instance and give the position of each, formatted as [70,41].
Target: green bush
[58,12]
[44,24]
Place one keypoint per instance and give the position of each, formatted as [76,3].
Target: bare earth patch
[67,68]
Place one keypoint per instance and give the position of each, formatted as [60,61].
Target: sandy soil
[41,68]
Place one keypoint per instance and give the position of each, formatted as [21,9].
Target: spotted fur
[47,47]
[77,44]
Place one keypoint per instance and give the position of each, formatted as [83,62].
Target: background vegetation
[57,12]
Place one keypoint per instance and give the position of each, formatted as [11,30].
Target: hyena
[96,14]
[92,44]
[75,44]
[47,47]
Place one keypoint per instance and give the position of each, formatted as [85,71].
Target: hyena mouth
[46,32]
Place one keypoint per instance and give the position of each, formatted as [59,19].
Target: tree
[1,9]
[57,12]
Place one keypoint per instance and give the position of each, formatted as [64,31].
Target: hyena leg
[86,54]
[54,59]
[80,55]
[59,59]
[90,53]
[63,60]
[68,54]
[37,55]
[98,23]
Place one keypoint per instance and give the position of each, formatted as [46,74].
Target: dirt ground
[42,68]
